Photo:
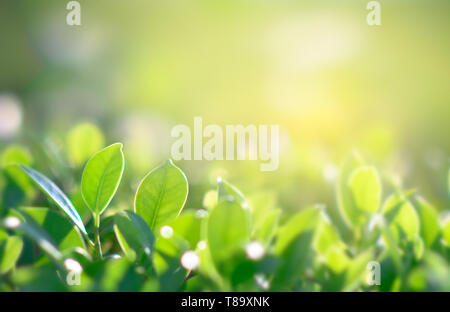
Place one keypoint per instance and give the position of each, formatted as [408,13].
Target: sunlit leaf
[265,231]
[366,189]
[55,193]
[402,218]
[227,230]
[161,195]
[429,222]
[101,177]
[188,226]
[349,212]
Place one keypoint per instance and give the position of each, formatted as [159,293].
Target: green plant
[233,243]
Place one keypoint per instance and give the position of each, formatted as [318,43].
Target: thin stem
[97,236]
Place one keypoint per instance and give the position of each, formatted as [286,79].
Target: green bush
[232,243]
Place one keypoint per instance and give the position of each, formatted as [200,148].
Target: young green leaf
[56,195]
[225,189]
[402,218]
[227,230]
[161,195]
[429,222]
[10,250]
[101,177]
[349,212]
[366,189]
[135,231]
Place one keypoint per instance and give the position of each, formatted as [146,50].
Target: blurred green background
[333,84]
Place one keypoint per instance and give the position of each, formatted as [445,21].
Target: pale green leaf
[366,189]
[101,177]
[429,222]
[349,212]
[161,195]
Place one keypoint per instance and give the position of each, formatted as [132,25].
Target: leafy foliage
[233,243]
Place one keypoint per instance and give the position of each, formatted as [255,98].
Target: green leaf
[305,220]
[261,205]
[161,195]
[446,231]
[349,212]
[225,190]
[266,230]
[21,223]
[327,236]
[429,222]
[10,250]
[227,230]
[83,141]
[366,189]
[294,245]
[135,231]
[64,234]
[188,226]
[56,195]
[357,272]
[402,218]
[101,177]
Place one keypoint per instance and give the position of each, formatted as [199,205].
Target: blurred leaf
[188,226]
[210,199]
[429,222]
[327,237]
[10,250]
[59,228]
[135,232]
[21,223]
[225,189]
[266,230]
[31,278]
[446,231]
[357,273]
[349,212]
[83,141]
[402,218]
[366,189]
[227,230]
[17,186]
[101,177]
[56,195]
[161,195]
[293,245]
[261,205]
[305,220]
[167,264]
